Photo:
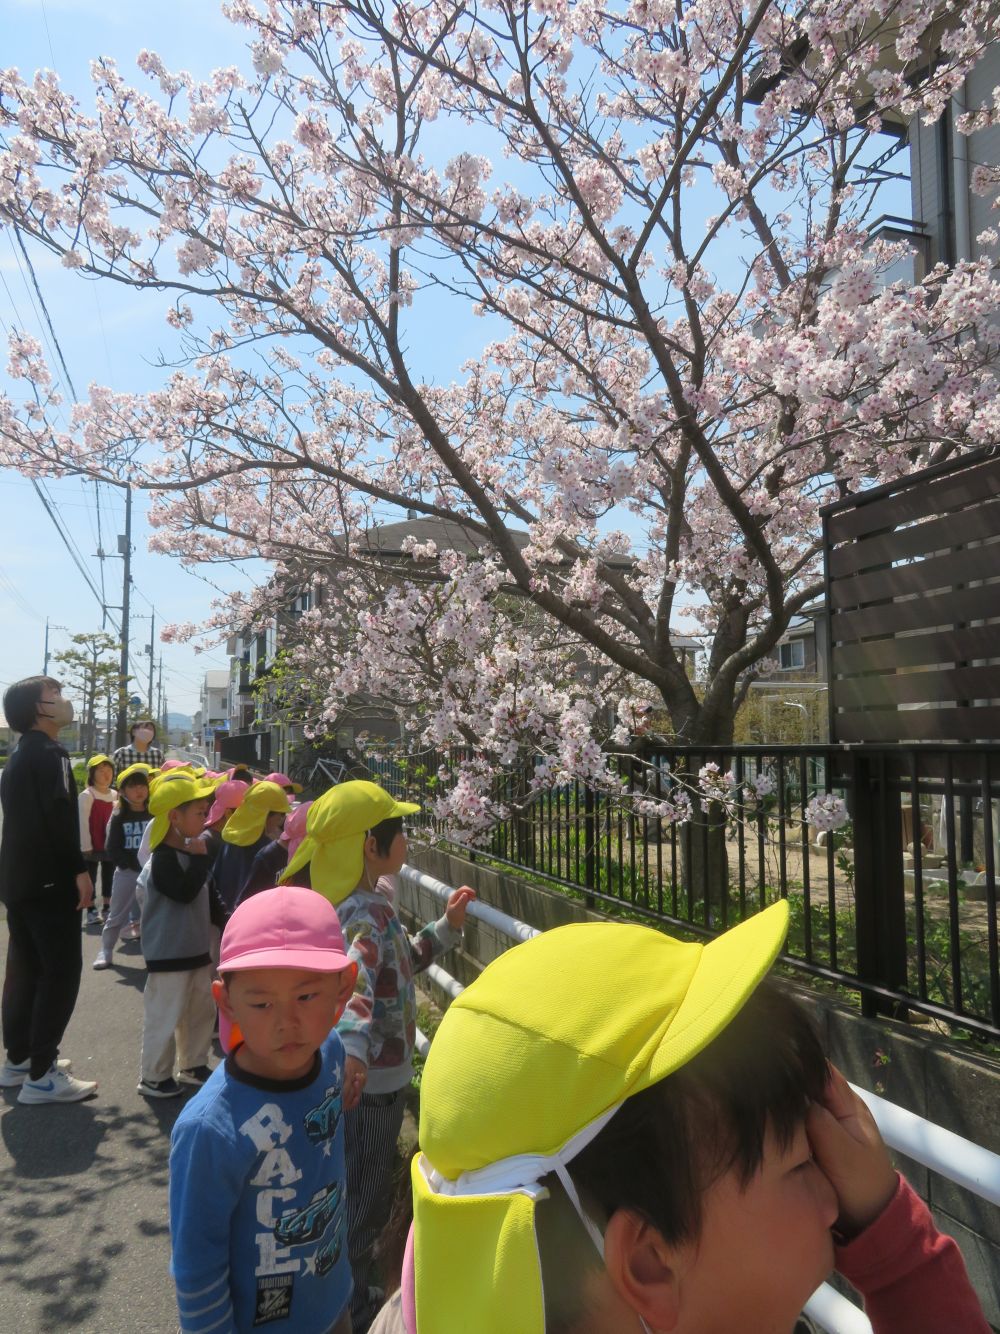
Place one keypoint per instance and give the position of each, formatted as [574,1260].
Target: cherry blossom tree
[689,342]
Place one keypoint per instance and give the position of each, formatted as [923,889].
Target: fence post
[880,901]
[589,842]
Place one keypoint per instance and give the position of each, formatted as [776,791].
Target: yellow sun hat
[335,835]
[171,790]
[136,771]
[246,824]
[529,1063]
[95,760]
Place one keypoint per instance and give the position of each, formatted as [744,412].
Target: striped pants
[371,1130]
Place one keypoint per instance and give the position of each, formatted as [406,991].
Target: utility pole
[45,669]
[159,697]
[125,551]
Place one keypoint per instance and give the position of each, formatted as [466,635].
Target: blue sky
[107,335]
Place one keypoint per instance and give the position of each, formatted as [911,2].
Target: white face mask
[143,735]
[59,711]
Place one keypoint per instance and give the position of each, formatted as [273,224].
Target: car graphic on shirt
[322,1122]
[329,1253]
[309,1223]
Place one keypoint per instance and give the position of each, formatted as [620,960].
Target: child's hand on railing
[458,902]
[850,1152]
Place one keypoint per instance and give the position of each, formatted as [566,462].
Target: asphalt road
[83,1187]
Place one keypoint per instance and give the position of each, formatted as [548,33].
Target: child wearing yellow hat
[178,911]
[354,844]
[257,821]
[622,1133]
[96,803]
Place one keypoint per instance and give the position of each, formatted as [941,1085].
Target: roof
[448,535]
[216,680]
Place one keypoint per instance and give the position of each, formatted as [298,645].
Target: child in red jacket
[97,802]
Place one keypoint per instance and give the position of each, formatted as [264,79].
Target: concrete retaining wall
[926,1075]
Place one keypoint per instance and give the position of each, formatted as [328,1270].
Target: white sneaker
[102,961]
[131,932]
[56,1086]
[13,1076]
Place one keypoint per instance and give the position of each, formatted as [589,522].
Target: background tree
[690,342]
[90,675]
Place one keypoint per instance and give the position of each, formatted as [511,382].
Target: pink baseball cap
[283,781]
[286,927]
[228,796]
[295,828]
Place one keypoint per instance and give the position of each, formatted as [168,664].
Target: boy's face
[284,1014]
[188,821]
[763,1250]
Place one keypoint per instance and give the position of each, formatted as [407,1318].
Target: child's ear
[643,1269]
[220,994]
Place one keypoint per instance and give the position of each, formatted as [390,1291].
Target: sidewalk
[83,1187]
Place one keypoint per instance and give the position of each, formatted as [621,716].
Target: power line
[77,561]
[45,312]
[16,597]
[68,541]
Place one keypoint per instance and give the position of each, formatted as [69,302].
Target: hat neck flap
[489,1212]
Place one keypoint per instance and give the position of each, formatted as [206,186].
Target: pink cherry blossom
[689,342]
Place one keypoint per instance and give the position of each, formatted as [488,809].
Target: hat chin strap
[522,1174]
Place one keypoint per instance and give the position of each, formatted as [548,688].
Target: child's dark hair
[667,1144]
[384,832]
[20,701]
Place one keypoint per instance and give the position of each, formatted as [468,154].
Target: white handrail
[483,912]
[958,1159]
[944,1152]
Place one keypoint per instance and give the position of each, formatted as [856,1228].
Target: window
[792,655]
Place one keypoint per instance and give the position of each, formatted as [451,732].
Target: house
[260,730]
[213,715]
[801,654]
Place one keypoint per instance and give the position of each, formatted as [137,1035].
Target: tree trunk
[704,862]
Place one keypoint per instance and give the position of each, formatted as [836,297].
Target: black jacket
[40,847]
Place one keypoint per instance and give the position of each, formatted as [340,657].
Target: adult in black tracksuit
[44,884]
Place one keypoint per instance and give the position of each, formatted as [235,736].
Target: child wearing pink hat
[228,798]
[257,1178]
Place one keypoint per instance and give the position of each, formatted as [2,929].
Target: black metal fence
[898,904]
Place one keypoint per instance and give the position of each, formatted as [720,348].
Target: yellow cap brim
[197,790]
[731,968]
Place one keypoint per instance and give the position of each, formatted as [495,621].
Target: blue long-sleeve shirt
[258,1221]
